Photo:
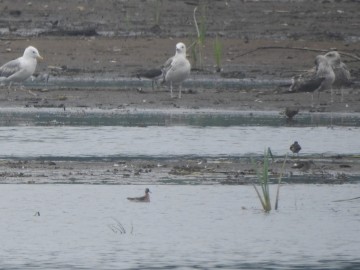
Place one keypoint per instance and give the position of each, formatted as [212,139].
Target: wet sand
[114,40]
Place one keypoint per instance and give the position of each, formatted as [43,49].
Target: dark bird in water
[342,73]
[154,74]
[145,198]
[295,147]
[291,112]
[319,79]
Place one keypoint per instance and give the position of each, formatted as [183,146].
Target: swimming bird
[177,68]
[20,69]
[342,73]
[145,198]
[319,79]
[295,147]
[154,74]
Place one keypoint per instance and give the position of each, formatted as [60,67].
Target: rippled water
[155,141]
[183,227]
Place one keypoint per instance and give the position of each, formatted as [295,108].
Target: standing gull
[319,79]
[342,73]
[20,69]
[177,68]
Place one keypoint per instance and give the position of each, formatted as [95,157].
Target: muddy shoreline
[194,171]
[261,40]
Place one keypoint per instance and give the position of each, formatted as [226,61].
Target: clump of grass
[203,26]
[263,181]
[127,23]
[198,44]
[157,11]
[218,53]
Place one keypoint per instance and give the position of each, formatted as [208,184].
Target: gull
[20,69]
[177,68]
[342,73]
[154,74]
[319,79]
[145,198]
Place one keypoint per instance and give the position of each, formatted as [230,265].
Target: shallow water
[176,117]
[183,227]
[154,141]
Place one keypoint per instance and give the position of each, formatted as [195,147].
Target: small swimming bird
[295,147]
[154,74]
[145,198]
[177,68]
[20,69]
[342,73]
[319,79]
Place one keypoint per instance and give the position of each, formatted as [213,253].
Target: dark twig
[356,198]
[297,48]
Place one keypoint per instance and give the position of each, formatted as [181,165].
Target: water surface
[155,141]
[184,227]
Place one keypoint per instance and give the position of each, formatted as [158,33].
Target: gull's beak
[39,57]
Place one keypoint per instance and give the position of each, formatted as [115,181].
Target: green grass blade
[279,183]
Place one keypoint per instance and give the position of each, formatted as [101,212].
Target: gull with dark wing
[319,79]
[145,198]
[177,68]
[154,74]
[20,69]
[342,73]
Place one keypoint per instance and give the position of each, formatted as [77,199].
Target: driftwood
[298,48]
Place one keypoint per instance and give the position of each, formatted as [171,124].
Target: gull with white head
[342,73]
[177,68]
[20,69]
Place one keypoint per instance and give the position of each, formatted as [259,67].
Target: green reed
[157,11]
[199,43]
[263,178]
[218,53]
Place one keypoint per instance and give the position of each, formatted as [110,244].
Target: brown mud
[271,40]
